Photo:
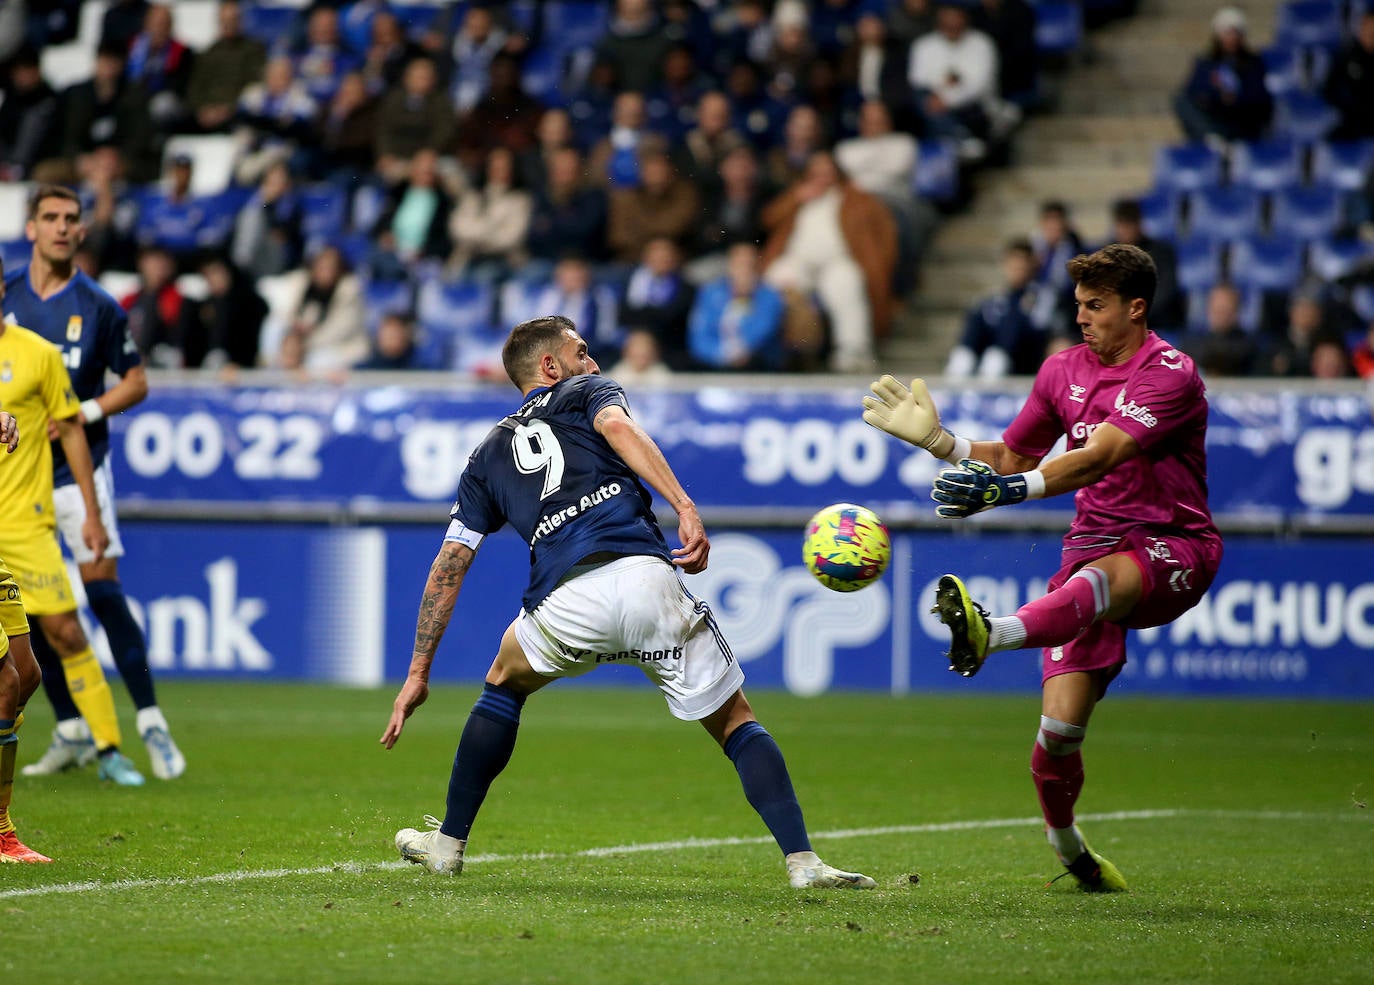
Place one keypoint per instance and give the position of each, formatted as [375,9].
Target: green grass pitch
[1241,827]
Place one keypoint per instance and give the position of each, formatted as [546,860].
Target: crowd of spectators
[702,186]
[1263,240]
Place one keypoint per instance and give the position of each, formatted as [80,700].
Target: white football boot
[167,761]
[433,849]
[805,870]
[71,747]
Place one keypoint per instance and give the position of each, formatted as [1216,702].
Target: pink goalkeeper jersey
[1158,399]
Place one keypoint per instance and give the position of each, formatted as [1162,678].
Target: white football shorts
[634,610]
[71,514]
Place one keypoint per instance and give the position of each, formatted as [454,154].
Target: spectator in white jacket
[953,71]
[882,161]
[489,224]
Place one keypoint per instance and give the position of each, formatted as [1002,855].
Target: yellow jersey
[34,386]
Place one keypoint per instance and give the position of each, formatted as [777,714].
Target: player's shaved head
[46,192]
[1126,271]
[531,340]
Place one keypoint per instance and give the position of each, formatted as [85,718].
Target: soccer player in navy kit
[564,471]
[60,303]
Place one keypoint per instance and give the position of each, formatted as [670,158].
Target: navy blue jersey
[547,472]
[92,331]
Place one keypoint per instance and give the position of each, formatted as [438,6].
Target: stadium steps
[1112,110]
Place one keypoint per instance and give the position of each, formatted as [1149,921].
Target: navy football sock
[54,678]
[483,752]
[768,788]
[127,645]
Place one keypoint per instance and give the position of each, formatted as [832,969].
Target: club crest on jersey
[6,372]
[74,328]
[1133,410]
[1076,392]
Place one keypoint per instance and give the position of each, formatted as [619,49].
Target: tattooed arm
[446,576]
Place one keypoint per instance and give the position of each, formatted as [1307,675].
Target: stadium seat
[1303,116]
[15,253]
[213,157]
[1266,165]
[368,203]
[1226,212]
[1306,213]
[1271,263]
[1362,300]
[386,298]
[416,17]
[1187,167]
[575,23]
[119,284]
[1309,23]
[936,176]
[1282,70]
[1332,258]
[1344,164]
[541,73]
[1159,214]
[64,65]
[454,308]
[1058,28]
[323,212]
[1199,263]
[270,23]
[14,209]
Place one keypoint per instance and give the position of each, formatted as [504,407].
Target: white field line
[357,868]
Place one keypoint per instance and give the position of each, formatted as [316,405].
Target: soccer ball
[846,547]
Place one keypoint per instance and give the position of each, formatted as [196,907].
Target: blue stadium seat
[416,18]
[356,249]
[1271,263]
[1309,23]
[1225,212]
[15,253]
[1058,28]
[541,73]
[1266,165]
[1332,259]
[1343,164]
[1282,70]
[1187,167]
[1362,300]
[386,298]
[1199,263]
[323,212]
[1303,116]
[455,308]
[575,23]
[937,171]
[1306,213]
[1159,214]
[269,23]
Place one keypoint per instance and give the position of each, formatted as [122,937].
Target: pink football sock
[1060,616]
[1057,767]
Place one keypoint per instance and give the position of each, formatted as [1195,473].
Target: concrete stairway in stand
[1097,144]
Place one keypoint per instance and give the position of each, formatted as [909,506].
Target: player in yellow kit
[19,677]
[35,388]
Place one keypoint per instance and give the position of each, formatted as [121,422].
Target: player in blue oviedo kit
[59,302]
[564,471]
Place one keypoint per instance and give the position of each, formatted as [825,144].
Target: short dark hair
[52,191]
[1054,207]
[528,341]
[1019,244]
[1127,210]
[1125,270]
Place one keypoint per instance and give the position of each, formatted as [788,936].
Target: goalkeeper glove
[974,486]
[906,414]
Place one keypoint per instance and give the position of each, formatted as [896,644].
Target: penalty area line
[938,827]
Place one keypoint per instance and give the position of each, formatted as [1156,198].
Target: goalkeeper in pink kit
[1142,549]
